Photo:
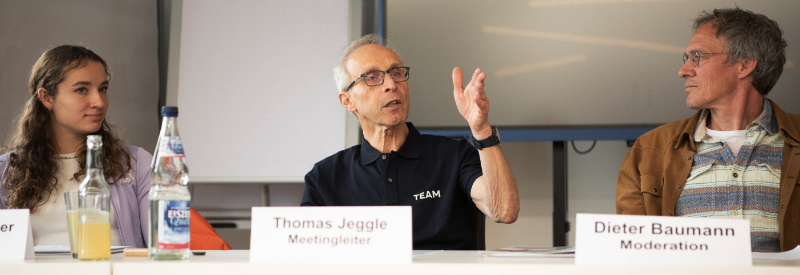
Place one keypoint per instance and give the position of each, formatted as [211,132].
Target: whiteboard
[565,62]
[257,100]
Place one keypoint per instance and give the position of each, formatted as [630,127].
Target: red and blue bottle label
[173,225]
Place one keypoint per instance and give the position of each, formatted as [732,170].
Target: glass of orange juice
[94,238]
[71,201]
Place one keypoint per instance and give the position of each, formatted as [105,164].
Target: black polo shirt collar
[410,148]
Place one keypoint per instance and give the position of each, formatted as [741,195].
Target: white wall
[255,83]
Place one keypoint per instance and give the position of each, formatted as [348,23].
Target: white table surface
[439,262]
[58,265]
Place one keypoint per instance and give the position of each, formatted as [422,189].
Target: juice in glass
[94,231]
[72,227]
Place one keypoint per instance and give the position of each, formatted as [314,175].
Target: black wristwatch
[492,140]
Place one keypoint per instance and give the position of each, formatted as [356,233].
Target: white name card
[376,234]
[657,240]
[15,235]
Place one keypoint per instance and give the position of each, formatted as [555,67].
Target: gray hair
[340,73]
[750,36]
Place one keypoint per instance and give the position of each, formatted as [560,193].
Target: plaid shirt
[744,186]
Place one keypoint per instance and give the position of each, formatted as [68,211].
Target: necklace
[60,157]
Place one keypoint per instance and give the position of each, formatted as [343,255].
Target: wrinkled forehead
[705,40]
[372,57]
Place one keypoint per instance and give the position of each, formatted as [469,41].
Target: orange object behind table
[204,237]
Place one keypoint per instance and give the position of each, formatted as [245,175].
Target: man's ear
[746,67]
[45,98]
[347,103]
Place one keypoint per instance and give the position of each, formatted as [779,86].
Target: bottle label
[170,147]
[173,224]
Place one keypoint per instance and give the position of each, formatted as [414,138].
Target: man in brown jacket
[739,156]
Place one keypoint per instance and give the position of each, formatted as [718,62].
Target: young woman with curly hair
[46,154]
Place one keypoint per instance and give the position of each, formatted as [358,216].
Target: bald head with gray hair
[340,73]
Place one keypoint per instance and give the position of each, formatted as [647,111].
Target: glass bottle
[169,195]
[94,205]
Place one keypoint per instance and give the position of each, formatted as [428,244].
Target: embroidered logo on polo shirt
[428,195]
[128,178]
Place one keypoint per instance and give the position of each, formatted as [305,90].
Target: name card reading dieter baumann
[375,234]
[657,240]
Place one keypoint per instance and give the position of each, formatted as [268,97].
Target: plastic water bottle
[94,205]
[169,197]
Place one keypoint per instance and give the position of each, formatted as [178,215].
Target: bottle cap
[169,111]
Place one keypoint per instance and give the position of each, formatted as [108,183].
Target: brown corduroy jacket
[656,168]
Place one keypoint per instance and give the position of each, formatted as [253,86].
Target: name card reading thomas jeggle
[16,238]
[373,234]
[658,240]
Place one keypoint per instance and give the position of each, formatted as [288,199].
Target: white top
[734,139]
[49,223]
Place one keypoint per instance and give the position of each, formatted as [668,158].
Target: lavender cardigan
[128,197]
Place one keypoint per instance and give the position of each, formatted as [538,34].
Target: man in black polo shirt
[439,177]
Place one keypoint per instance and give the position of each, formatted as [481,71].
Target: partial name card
[15,235]
[657,240]
[369,234]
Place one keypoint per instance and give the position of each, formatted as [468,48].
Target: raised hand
[472,102]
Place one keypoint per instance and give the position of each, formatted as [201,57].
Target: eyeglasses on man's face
[695,57]
[375,78]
